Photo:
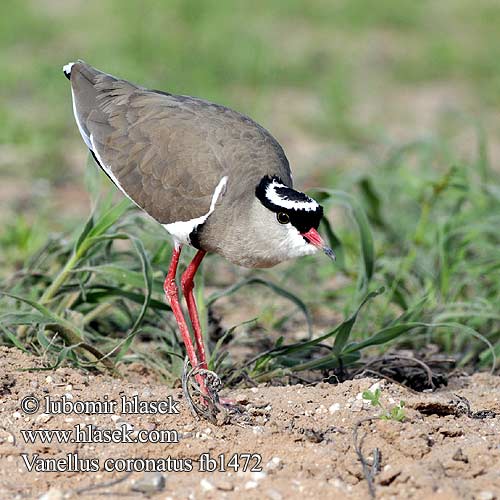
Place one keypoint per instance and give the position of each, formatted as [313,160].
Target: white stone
[485,495]
[52,494]
[334,407]
[274,495]
[274,464]
[43,418]
[357,405]
[206,485]
[375,386]
[258,475]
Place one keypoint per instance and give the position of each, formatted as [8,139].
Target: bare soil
[448,446]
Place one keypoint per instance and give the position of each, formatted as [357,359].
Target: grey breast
[168,152]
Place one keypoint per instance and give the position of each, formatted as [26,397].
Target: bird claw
[209,395]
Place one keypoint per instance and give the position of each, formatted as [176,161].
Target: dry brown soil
[443,450]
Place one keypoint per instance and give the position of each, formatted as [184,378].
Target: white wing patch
[276,199]
[108,170]
[85,137]
[182,229]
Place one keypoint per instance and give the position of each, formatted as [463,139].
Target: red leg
[172,296]
[187,282]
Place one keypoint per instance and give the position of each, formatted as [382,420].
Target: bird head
[294,216]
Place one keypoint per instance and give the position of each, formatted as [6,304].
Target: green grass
[334,79]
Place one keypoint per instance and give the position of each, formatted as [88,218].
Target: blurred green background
[379,99]
[333,80]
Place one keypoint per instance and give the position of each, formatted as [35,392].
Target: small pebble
[258,475]
[357,405]
[52,494]
[274,495]
[375,386]
[320,410]
[150,482]
[251,485]
[334,407]
[485,495]
[43,418]
[206,485]
[460,457]
[49,379]
[225,486]
[17,415]
[274,464]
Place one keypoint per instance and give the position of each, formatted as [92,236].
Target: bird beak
[313,237]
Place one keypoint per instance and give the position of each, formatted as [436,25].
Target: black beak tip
[329,252]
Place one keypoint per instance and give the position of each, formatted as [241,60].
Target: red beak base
[313,237]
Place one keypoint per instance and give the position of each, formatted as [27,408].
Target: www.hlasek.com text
[89,433]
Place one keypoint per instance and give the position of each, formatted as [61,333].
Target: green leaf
[72,334]
[24,318]
[373,201]
[13,339]
[214,361]
[148,282]
[365,232]
[97,293]
[344,330]
[89,225]
[109,218]
[304,346]
[385,335]
[121,274]
[368,395]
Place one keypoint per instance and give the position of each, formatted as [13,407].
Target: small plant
[396,413]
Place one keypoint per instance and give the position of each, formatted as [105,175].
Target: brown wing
[168,153]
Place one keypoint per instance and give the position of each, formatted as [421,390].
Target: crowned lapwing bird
[212,177]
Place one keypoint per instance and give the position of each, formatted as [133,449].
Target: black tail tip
[67,70]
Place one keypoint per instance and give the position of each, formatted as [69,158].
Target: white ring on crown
[309,205]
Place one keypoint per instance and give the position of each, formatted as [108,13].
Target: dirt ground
[448,446]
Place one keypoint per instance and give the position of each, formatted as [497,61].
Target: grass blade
[365,232]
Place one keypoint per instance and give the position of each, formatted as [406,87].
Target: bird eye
[283,217]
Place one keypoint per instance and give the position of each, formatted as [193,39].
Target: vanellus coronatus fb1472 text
[212,177]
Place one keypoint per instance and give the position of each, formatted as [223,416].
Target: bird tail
[67,70]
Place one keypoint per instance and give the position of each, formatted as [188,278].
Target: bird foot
[210,406]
